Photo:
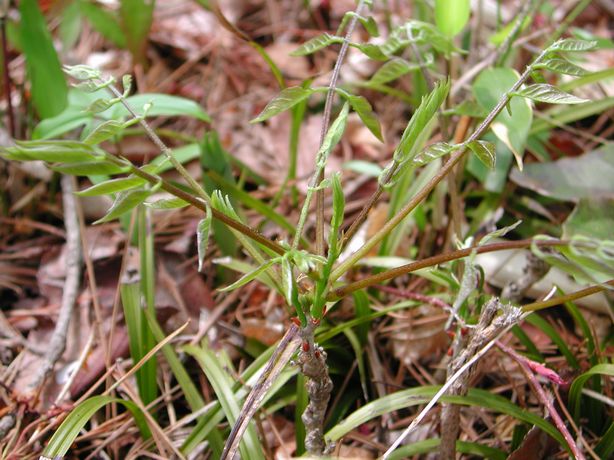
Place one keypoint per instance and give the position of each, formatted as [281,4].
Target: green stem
[436,260]
[443,172]
[534,306]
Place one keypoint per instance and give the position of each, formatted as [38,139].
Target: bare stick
[57,343]
[500,326]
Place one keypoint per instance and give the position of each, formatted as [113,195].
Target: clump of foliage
[314,278]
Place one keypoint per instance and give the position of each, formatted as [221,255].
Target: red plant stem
[436,260]
[543,397]
[414,296]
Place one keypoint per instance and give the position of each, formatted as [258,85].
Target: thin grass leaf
[70,428]
[421,395]
[48,86]
[556,338]
[112,186]
[136,17]
[575,392]
[221,382]
[316,44]
[137,340]
[463,447]
[124,202]
[605,446]
[104,22]
[189,390]
[543,92]
[288,98]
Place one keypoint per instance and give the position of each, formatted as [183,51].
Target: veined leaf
[485,151]
[91,168]
[370,50]
[559,65]
[333,135]
[338,212]
[70,428]
[571,44]
[112,186]
[100,105]
[433,152]
[451,16]
[392,70]
[289,97]
[543,92]
[103,132]
[364,110]
[315,44]
[202,237]
[368,23]
[124,202]
[169,203]
[421,118]
[248,277]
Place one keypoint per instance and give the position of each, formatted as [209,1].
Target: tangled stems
[443,172]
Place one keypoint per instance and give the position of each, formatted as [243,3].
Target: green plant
[308,276]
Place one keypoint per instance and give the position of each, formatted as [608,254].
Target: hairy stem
[325,125]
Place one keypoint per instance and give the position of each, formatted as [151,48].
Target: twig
[312,361]
[541,395]
[57,343]
[436,260]
[443,172]
[534,306]
[326,121]
[500,326]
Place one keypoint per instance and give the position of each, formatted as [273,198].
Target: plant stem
[325,125]
[534,306]
[436,260]
[545,400]
[426,190]
[162,146]
[200,204]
